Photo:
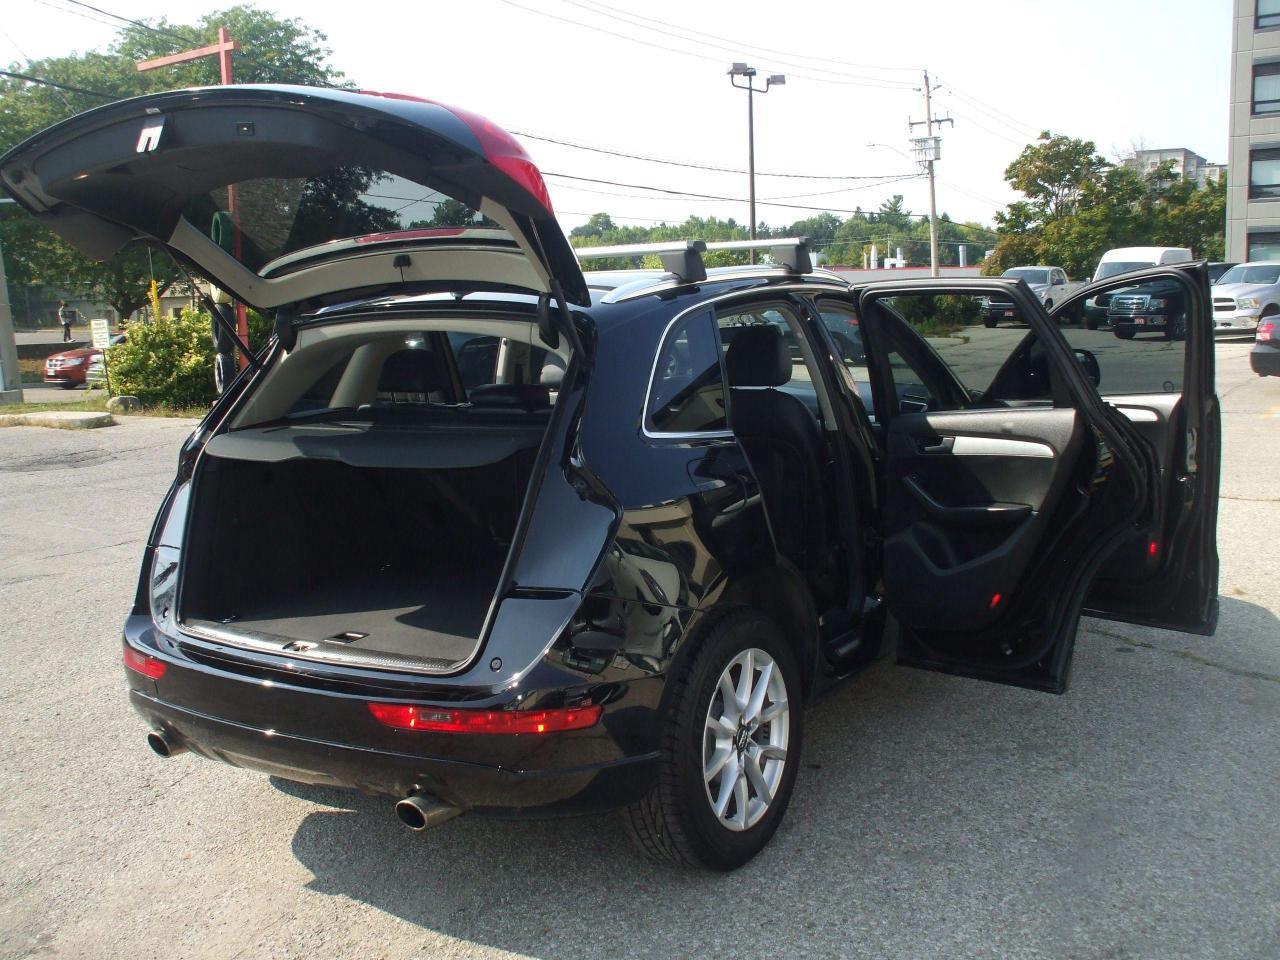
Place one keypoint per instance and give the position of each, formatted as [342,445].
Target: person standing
[64,318]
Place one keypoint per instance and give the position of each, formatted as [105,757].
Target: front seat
[783,443]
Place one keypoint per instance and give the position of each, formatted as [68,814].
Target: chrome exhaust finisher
[162,746]
[421,812]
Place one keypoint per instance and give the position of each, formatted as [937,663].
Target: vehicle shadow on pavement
[929,812]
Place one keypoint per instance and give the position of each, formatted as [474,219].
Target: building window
[1263,246]
[1264,175]
[1268,14]
[1266,87]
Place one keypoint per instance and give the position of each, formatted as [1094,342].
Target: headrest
[512,396]
[409,371]
[757,357]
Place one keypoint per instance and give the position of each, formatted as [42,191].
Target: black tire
[989,323]
[225,369]
[1176,329]
[1124,334]
[675,822]
[68,386]
[1090,323]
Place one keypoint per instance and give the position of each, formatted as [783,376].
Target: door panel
[999,504]
[967,504]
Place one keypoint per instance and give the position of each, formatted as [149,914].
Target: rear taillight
[143,664]
[1267,330]
[446,720]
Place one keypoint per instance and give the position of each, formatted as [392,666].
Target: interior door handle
[978,515]
[943,445]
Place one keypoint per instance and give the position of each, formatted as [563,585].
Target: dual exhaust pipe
[418,812]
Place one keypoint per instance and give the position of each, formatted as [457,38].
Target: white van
[1124,259]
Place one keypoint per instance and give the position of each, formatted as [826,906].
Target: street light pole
[775,80]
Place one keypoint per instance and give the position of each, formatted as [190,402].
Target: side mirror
[1090,365]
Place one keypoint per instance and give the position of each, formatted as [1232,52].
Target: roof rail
[680,257]
[789,252]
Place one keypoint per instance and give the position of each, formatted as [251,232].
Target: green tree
[1053,173]
[273,50]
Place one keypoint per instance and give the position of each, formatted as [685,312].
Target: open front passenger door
[1008,479]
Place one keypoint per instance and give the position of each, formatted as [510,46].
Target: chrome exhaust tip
[162,746]
[422,813]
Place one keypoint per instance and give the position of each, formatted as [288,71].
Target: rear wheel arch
[780,593]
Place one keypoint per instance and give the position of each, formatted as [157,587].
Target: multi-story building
[1185,163]
[1253,186]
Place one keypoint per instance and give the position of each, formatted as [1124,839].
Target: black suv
[483,533]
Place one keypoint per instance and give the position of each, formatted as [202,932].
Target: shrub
[937,316]
[166,362]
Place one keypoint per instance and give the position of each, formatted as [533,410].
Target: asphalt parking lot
[1137,816]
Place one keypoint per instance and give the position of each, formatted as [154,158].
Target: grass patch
[96,402]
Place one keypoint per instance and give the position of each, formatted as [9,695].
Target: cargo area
[386,544]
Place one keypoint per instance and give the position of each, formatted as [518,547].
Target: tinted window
[846,333]
[476,357]
[1264,174]
[687,395]
[1266,87]
[952,327]
[800,385]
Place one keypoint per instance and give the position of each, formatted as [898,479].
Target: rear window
[262,220]
[687,394]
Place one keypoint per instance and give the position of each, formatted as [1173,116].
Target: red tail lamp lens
[437,720]
[1153,548]
[995,601]
[143,664]
[1266,330]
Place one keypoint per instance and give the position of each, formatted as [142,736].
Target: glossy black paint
[634,544]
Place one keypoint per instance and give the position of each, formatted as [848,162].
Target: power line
[136,23]
[27,78]
[687,195]
[693,166]
[752,46]
[996,114]
[730,47]
[892,85]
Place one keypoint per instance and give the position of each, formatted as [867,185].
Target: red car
[69,368]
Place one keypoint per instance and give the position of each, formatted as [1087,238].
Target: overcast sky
[1118,72]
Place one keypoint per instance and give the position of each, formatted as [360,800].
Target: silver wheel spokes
[744,745]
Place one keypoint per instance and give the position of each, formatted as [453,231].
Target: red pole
[223,49]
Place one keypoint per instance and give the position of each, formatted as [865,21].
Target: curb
[58,419]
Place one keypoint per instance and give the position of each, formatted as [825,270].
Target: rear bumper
[471,785]
[1264,359]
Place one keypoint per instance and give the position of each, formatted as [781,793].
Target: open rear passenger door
[1008,480]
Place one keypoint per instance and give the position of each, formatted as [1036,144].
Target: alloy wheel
[744,749]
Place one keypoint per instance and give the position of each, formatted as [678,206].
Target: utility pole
[927,153]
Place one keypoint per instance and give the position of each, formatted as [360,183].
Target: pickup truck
[1153,307]
[1050,284]
[1244,294]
